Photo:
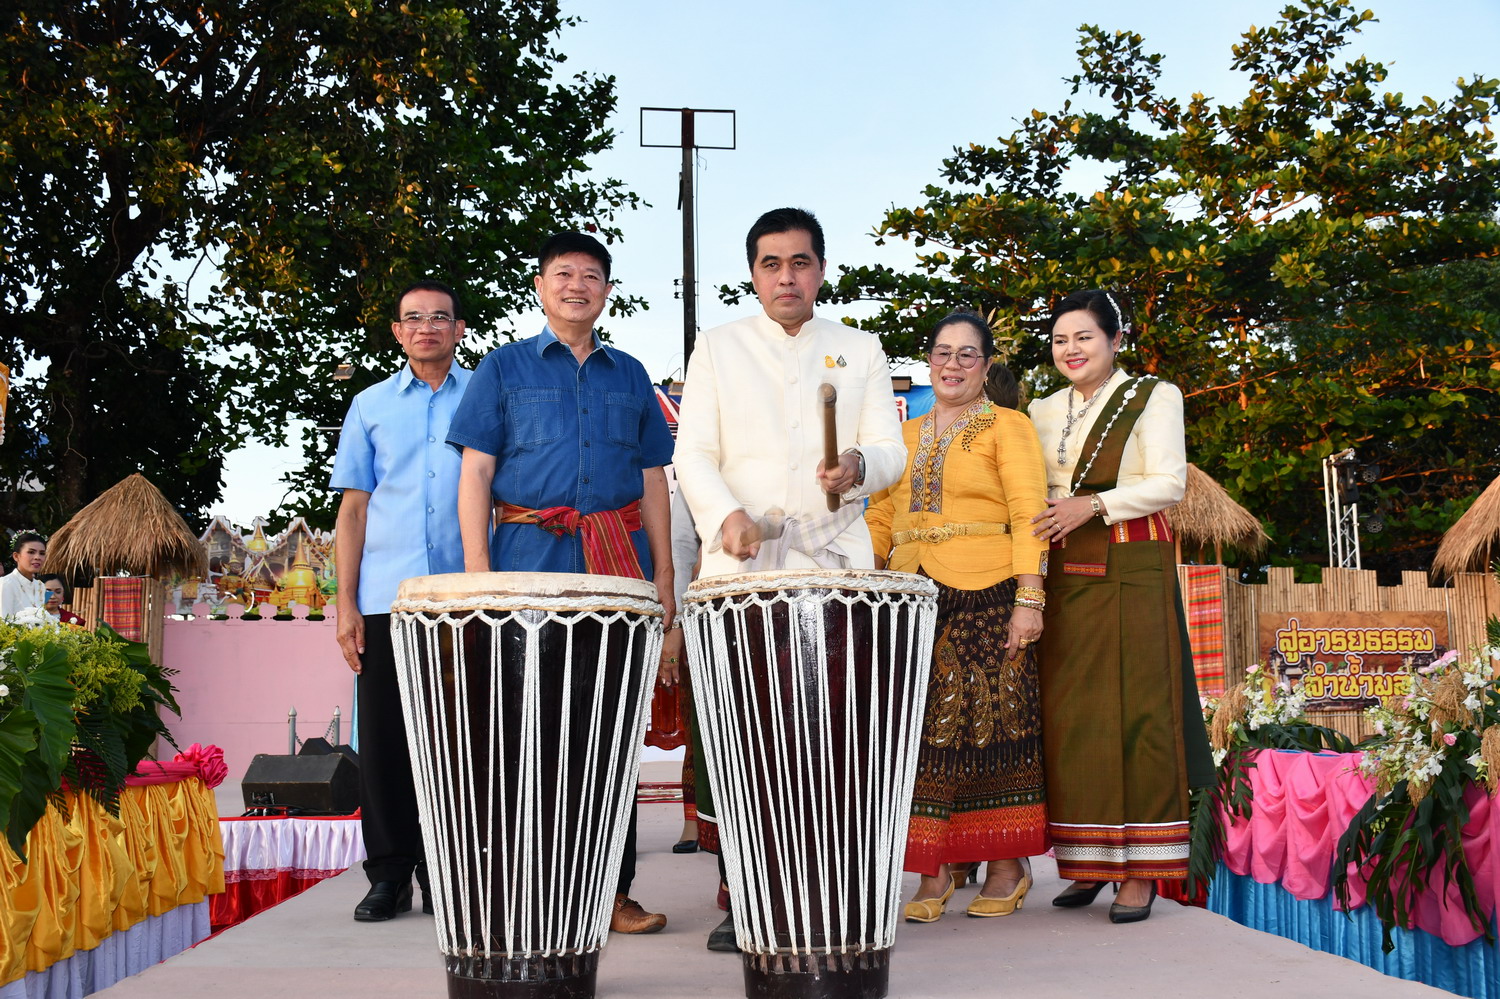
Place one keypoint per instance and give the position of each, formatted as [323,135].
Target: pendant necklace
[1062,444]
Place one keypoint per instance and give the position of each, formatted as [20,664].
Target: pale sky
[848,109]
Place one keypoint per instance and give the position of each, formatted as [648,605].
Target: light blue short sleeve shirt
[394,447]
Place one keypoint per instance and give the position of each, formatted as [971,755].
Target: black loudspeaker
[318,746]
[312,785]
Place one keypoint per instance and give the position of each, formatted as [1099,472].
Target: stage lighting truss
[1341,474]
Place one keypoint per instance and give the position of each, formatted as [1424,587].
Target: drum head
[859,580]
[515,588]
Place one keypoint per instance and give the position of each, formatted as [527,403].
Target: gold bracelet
[1031,592]
[1036,605]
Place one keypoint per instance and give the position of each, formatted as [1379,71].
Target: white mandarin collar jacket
[750,432]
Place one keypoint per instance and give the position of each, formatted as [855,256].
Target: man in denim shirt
[396,520]
[563,452]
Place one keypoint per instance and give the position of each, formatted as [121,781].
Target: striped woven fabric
[607,549]
[125,605]
[1153,527]
[1117,852]
[1205,617]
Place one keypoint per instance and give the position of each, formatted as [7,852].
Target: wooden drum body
[811,687]
[525,698]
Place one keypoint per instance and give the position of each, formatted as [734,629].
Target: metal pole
[1330,511]
[689,262]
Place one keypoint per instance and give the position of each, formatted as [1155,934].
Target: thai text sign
[1349,659]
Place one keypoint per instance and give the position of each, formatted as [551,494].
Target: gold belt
[937,535]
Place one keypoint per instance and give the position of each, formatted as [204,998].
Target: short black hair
[47,577]
[974,319]
[1105,306]
[785,220]
[1002,388]
[437,286]
[564,243]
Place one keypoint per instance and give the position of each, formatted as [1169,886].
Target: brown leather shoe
[629,917]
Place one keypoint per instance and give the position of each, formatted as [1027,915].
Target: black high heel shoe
[1076,895]
[685,846]
[1132,913]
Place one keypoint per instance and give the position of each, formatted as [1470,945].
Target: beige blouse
[1153,469]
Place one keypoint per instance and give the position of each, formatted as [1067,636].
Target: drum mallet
[830,438]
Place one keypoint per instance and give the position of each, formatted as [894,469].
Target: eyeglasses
[416,321]
[966,358]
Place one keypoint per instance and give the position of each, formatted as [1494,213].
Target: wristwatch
[859,477]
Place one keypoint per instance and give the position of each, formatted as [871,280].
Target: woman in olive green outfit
[1122,737]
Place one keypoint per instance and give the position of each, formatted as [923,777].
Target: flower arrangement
[1441,723]
[78,709]
[1264,712]
[1432,745]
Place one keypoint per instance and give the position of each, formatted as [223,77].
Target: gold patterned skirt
[979,792]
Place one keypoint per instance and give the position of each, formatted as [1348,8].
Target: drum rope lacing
[553,883]
[512,602]
[761,751]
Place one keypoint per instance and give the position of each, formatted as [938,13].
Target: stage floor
[311,946]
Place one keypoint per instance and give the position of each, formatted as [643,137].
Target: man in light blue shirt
[397,519]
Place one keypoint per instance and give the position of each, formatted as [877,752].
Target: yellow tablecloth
[90,874]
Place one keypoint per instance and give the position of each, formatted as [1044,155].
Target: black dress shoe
[1079,893]
[1132,913]
[383,901]
[722,938]
[426,902]
[685,846]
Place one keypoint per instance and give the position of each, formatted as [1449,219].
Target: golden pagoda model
[299,584]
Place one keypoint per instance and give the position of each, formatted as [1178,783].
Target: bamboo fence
[1469,602]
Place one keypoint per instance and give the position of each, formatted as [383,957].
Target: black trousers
[387,795]
[627,859]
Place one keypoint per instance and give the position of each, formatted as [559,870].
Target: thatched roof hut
[1474,542]
[130,528]
[1207,516]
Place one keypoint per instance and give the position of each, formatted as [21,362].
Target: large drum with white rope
[810,687]
[525,697]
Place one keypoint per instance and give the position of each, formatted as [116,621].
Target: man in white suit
[750,436]
[750,433]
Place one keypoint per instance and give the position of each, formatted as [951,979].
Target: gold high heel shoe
[983,906]
[929,910]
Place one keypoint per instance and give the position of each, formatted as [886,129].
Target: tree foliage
[1313,263]
[205,206]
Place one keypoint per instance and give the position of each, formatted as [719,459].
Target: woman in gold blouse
[961,515]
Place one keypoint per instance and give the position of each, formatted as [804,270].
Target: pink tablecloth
[1303,804]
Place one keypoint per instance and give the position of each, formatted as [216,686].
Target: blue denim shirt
[392,447]
[563,434]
